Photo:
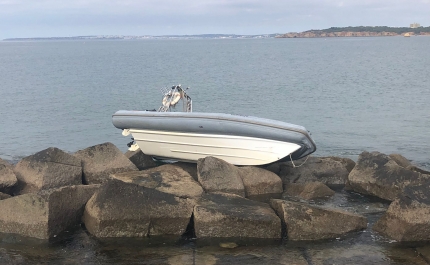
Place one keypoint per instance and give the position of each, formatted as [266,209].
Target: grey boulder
[228,215]
[309,191]
[306,222]
[47,169]
[99,161]
[7,177]
[404,162]
[379,175]
[216,175]
[259,183]
[44,214]
[167,178]
[408,217]
[121,209]
[327,170]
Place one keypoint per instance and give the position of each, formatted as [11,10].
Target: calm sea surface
[353,94]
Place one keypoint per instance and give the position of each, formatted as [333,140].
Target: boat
[188,136]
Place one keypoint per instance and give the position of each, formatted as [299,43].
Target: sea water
[353,94]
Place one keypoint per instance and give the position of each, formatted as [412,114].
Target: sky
[65,18]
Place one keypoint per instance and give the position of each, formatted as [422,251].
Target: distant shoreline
[368,31]
[380,31]
[147,37]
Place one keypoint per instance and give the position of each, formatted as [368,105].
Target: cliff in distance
[358,32]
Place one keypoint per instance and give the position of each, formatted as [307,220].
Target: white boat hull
[237,150]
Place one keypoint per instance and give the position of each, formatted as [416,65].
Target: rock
[424,252]
[309,191]
[404,162]
[191,168]
[408,217]
[7,177]
[140,160]
[120,209]
[228,245]
[348,163]
[305,222]
[400,160]
[255,253]
[361,253]
[216,175]
[4,196]
[44,214]
[325,169]
[168,178]
[259,182]
[228,215]
[47,169]
[99,161]
[379,175]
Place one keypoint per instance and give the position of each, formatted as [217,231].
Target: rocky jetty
[128,195]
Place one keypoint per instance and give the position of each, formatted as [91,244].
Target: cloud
[141,17]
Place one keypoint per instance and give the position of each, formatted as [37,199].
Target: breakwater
[213,210]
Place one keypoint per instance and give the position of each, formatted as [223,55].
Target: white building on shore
[415,25]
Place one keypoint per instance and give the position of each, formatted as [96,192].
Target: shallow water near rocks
[77,246]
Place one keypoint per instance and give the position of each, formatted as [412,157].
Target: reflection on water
[79,247]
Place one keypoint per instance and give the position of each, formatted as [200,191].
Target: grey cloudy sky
[48,18]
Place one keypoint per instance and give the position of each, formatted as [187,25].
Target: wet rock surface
[307,222]
[379,175]
[44,214]
[168,178]
[47,169]
[120,209]
[99,161]
[228,215]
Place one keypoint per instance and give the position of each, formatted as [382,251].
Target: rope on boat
[301,163]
